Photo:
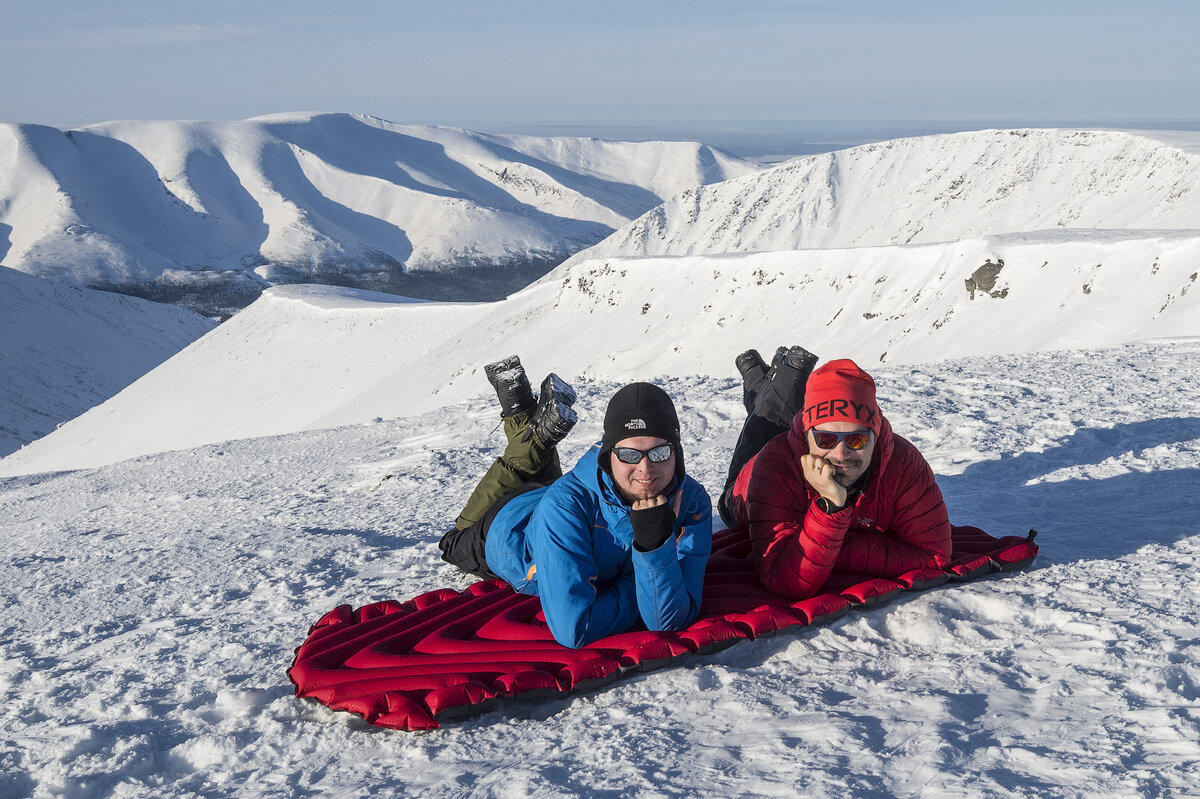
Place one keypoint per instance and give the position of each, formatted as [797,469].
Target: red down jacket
[898,523]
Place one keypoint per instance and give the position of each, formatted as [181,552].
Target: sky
[553,64]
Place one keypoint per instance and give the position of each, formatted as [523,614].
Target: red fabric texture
[899,522]
[449,654]
[840,392]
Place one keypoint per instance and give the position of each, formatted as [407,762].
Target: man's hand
[659,499]
[820,473]
[653,521]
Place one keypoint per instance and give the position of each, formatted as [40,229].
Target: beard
[845,479]
[630,498]
[658,487]
[852,474]
[847,472]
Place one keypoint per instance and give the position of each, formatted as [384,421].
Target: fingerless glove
[652,526]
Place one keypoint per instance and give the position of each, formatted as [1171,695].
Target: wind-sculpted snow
[151,609]
[167,206]
[932,189]
[306,357]
[64,350]
[164,553]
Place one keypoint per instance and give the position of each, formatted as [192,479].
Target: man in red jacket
[839,490]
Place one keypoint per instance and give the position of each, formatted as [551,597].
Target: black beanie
[640,409]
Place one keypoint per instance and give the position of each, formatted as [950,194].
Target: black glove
[652,526]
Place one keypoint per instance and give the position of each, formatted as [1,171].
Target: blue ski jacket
[571,544]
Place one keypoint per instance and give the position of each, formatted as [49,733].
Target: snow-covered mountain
[324,437]
[65,349]
[310,357]
[933,189]
[211,212]
[1111,257]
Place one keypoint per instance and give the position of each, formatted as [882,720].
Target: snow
[307,357]
[152,607]
[165,552]
[933,189]
[1117,264]
[127,203]
[67,349]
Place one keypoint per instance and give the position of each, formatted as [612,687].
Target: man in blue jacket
[623,537]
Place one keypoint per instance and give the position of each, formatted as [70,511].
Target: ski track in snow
[152,607]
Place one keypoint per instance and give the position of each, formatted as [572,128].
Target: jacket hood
[596,480]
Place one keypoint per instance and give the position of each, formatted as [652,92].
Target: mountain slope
[932,189]
[366,357]
[67,349]
[162,208]
[312,357]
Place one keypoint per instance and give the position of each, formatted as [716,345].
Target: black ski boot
[511,384]
[553,418]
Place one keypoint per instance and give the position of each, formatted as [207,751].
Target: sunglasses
[825,439]
[659,454]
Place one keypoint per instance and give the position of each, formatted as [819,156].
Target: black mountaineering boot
[511,384]
[782,394]
[800,359]
[777,401]
[749,360]
[553,418]
[753,369]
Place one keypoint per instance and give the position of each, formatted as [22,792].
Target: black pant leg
[772,401]
[467,548]
[756,432]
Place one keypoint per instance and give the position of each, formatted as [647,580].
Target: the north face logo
[635,424]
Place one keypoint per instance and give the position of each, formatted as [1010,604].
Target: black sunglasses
[826,439]
[659,454]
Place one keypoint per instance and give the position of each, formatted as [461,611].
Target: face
[642,480]
[850,463]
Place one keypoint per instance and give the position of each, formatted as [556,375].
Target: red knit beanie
[840,392]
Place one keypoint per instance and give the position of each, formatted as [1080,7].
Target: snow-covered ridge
[933,189]
[65,349]
[309,357]
[296,196]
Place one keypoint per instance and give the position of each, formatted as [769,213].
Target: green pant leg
[522,462]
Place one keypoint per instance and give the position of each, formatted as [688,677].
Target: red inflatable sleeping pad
[449,654]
